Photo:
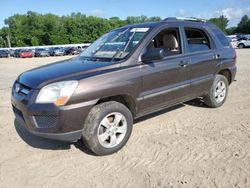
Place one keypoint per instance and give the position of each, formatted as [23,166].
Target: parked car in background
[16,52]
[242,37]
[57,51]
[11,52]
[50,50]
[25,54]
[41,52]
[71,51]
[4,53]
[127,73]
[232,38]
[244,42]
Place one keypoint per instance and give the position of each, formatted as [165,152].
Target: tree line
[243,27]
[32,29]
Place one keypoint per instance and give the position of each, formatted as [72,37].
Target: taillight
[235,56]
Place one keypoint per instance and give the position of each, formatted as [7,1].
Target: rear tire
[218,92]
[107,128]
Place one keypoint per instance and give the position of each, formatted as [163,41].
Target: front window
[167,39]
[115,45]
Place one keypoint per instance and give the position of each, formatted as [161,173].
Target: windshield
[116,44]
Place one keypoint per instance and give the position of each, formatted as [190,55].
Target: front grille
[47,121]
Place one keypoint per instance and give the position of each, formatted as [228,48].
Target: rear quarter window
[220,36]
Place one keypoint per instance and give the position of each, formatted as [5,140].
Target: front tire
[218,92]
[107,128]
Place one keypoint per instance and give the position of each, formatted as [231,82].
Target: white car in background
[232,38]
[245,42]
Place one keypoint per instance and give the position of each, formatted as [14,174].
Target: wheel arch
[227,73]
[124,99]
[241,44]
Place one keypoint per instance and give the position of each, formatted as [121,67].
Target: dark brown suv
[127,73]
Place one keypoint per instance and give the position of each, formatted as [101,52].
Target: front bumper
[66,137]
[47,120]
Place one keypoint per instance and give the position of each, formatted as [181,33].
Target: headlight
[57,93]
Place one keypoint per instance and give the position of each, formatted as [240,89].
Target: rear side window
[197,40]
[220,36]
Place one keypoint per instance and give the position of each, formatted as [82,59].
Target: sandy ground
[189,145]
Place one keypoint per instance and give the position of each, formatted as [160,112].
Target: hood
[75,68]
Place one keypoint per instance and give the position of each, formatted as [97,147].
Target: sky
[232,9]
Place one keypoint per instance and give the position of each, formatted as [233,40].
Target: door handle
[216,56]
[183,63]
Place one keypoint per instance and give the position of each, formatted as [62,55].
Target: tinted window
[220,36]
[197,40]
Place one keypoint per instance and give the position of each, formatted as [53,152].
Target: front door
[165,81]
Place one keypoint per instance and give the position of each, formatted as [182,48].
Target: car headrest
[170,42]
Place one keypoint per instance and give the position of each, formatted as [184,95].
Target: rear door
[203,59]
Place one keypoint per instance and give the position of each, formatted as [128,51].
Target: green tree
[244,25]
[34,41]
[2,42]
[2,38]
[141,19]
[116,22]
[33,29]
[221,22]
[231,30]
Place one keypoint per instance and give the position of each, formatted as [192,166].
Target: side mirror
[152,54]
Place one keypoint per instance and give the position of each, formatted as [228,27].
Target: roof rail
[184,19]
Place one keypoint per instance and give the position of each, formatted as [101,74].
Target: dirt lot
[189,145]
